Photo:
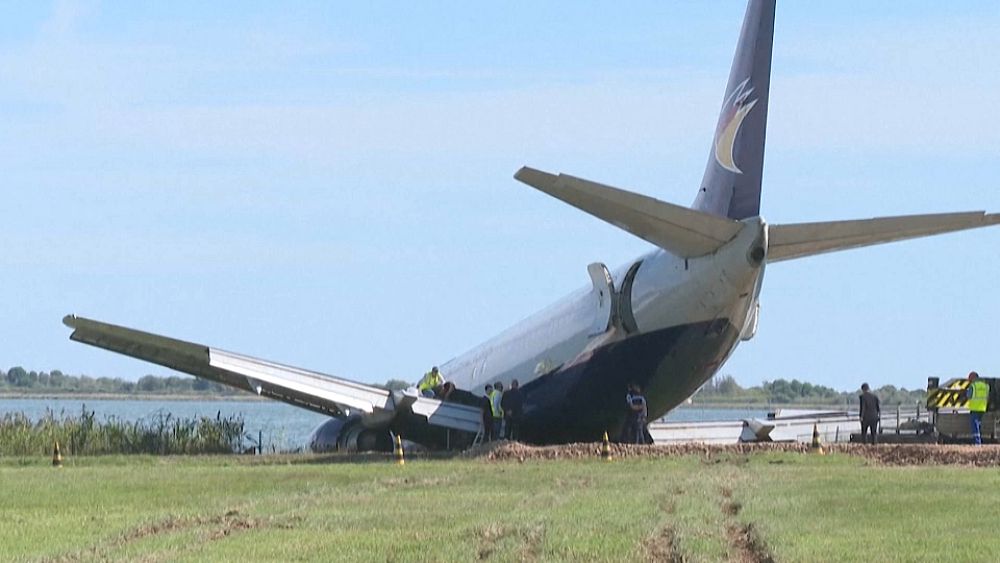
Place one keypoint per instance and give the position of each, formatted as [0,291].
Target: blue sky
[330,185]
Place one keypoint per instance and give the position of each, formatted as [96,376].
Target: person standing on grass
[495,399]
[488,413]
[870,412]
[637,403]
[628,429]
[978,395]
[512,402]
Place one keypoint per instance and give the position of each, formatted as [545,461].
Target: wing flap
[448,415]
[807,239]
[322,387]
[682,231]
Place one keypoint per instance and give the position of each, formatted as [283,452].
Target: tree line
[725,389]
[18,380]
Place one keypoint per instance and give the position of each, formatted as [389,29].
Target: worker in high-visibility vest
[978,394]
[430,383]
[495,397]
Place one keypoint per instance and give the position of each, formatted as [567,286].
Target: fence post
[897,419]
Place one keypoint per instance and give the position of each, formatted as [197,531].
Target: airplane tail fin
[731,184]
[786,242]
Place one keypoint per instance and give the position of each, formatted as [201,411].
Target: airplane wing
[808,239]
[307,389]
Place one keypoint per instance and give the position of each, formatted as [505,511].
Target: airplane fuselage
[681,319]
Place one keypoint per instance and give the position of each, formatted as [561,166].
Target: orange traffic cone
[606,448]
[56,456]
[816,447]
[399,451]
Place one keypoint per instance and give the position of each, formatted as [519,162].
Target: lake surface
[283,427]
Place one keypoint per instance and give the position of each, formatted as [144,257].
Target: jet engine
[349,435]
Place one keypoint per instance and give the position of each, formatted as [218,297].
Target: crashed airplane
[667,320]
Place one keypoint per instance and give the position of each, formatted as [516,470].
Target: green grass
[801,508]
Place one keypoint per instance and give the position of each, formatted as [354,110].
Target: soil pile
[925,454]
[505,450]
[888,454]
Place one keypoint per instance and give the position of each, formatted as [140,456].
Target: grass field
[791,507]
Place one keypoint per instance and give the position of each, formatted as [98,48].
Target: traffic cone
[605,448]
[399,451]
[816,447]
[56,456]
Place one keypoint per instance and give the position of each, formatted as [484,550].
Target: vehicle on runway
[666,321]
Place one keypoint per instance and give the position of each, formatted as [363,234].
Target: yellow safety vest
[430,381]
[495,404]
[980,396]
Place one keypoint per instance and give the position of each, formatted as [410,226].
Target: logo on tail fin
[734,111]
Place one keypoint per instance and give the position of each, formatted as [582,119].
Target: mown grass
[791,507]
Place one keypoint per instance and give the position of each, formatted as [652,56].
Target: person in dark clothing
[870,413]
[512,404]
[446,391]
[487,405]
[637,404]
[628,429]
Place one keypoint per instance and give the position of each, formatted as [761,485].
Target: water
[703,414]
[282,426]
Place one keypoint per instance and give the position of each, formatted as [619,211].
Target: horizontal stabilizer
[806,239]
[676,229]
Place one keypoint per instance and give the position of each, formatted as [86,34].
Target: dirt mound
[505,450]
[888,454]
[924,454]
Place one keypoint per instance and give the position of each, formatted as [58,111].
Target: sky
[330,185]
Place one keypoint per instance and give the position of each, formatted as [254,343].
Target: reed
[84,434]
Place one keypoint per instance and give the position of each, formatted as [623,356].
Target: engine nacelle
[349,435]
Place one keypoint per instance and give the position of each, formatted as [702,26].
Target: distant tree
[86,383]
[727,386]
[148,383]
[17,377]
[107,384]
[395,385]
[56,379]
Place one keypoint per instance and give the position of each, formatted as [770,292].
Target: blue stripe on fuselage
[580,402]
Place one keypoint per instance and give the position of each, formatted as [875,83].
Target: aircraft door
[605,297]
[614,308]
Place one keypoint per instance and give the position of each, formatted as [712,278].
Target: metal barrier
[832,427]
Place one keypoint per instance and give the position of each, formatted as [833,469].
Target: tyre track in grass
[746,544]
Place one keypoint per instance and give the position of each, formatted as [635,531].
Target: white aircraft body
[666,321]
